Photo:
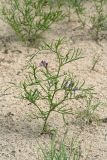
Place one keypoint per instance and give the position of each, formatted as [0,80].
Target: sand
[18,135]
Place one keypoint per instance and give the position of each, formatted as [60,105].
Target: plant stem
[45,123]
[69,13]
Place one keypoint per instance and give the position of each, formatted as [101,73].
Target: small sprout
[95,62]
[98,20]
[62,150]
[88,114]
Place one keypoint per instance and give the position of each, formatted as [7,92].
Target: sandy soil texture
[18,136]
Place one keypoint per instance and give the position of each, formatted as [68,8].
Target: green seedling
[62,151]
[78,9]
[88,114]
[98,20]
[95,61]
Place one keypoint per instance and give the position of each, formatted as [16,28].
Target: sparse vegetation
[52,94]
[95,61]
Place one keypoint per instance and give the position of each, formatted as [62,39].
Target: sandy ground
[18,136]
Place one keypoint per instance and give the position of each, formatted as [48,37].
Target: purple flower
[68,84]
[44,64]
[75,89]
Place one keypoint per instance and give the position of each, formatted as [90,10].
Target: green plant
[98,20]
[61,151]
[78,8]
[44,85]
[29,18]
[95,61]
[88,114]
